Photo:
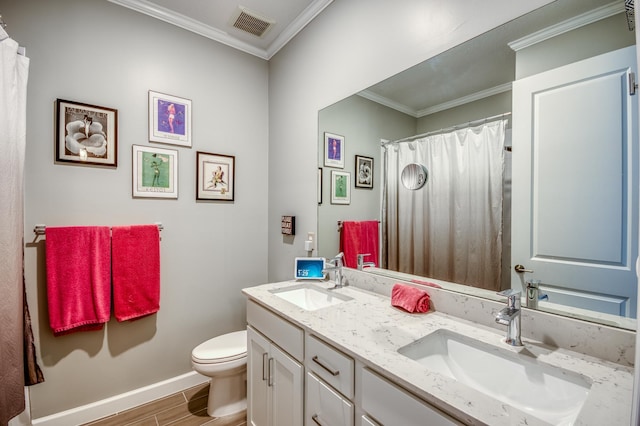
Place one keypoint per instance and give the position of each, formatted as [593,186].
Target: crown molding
[189,24]
[388,103]
[436,108]
[568,25]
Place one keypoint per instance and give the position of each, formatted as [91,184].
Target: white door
[257,379]
[575,183]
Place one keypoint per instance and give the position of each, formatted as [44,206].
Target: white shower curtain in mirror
[451,229]
[13,90]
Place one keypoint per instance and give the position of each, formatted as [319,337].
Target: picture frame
[155,172]
[340,187]
[333,150]
[169,119]
[215,176]
[319,189]
[364,172]
[86,134]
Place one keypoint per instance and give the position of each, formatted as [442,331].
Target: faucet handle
[513,297]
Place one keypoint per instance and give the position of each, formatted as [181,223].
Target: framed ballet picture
[86,134]
[215,176]
[155,172]
[333,150]
[169,119]
[364,172]
[340,187]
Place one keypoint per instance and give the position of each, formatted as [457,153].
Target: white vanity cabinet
[386,404]
[274,371]
[329,384]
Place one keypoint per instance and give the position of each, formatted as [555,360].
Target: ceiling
[215,19]
[478,68]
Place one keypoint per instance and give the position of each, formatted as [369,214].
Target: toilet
[224,359]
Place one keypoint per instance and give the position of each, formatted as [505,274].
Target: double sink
[550,393]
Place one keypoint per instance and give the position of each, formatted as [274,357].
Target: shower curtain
[13,89]
[451,229]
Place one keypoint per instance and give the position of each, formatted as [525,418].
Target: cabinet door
[286,388]
[257,379]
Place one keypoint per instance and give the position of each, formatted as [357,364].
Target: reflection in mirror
[414,176]
[470,82]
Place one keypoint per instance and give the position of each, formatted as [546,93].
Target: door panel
[575,190]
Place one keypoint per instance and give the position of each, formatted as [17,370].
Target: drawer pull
[270,382]
[316,420]
[264,366]
[321,364]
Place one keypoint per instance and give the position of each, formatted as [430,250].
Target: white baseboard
[122,402]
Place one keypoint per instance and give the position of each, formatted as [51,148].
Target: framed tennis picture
[169,119]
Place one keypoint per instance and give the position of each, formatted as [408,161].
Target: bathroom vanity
[347,357]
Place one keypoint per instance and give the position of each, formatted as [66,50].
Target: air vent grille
[252,23]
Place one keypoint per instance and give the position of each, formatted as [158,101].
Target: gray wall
[100,53]
[363,123]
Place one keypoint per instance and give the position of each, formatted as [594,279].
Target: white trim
[466,99]
[388,103]
[436,108]
[568,25]
[124,401]
[189,24]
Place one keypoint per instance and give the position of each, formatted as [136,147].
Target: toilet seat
[221,349]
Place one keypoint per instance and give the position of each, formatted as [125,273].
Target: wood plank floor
[187,408]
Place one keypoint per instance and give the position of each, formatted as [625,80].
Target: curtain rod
[446,129]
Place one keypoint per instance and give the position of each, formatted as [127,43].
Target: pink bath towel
[359,238]
[78,278]
[136,271]
[409,298]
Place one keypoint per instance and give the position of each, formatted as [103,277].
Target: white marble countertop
[371,330]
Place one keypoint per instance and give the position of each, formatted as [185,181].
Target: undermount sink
[543,391]
[310,297]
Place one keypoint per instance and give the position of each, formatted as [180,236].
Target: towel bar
[39,229]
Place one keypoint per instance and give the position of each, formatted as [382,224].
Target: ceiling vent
[251,22]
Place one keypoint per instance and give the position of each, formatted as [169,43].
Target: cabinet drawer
[286,335]
[324,406]
[390,405]
[334,367]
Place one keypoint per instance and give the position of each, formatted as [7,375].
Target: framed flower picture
[155,172]
[364,172]
[169,119]
[86,134]
[215,177]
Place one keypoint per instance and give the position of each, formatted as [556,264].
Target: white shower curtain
[13,89]
[451,229]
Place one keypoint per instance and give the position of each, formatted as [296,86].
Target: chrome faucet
[510,316]
[336,266]
[362,264]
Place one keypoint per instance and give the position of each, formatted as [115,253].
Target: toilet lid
[228,347]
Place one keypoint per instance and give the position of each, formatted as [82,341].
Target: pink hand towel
[136,271]
[359,238]
[409,298]
[78,278]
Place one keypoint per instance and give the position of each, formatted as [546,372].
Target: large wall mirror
[467,86]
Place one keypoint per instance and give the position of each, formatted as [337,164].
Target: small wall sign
[288,225]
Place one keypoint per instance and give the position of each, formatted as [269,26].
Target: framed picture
[364,172]
[169,119]
[340,187]
[319,185]
[333,150]
[155,172]
[215,176]
[86,134]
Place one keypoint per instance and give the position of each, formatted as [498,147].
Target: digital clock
[309,268]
